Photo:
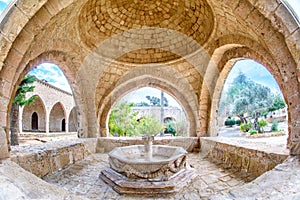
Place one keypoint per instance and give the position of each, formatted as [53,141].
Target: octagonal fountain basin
[135,170]
[160,164]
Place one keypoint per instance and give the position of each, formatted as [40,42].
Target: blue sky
[52,74]
[3,4]
[255,72]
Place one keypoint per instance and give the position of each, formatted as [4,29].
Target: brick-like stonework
[194,44]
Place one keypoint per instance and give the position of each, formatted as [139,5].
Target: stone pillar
[3,144]
[67,123]
[47,121]
[21,119]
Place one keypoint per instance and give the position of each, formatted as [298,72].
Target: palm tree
[20,100]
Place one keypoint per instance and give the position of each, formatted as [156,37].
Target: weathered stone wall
[169,112]
[52,157]
[252,161]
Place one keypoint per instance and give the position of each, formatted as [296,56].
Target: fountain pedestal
[132,171]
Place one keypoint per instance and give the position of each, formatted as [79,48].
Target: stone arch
[57,115]
[66,63]
[73,120]
[225,63]
[38,107]
[143,81]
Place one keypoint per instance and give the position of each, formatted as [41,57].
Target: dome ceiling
[100,20]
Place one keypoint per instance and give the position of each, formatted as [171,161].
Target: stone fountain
[147,169]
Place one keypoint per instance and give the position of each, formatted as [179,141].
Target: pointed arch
[57,114]
[39,118]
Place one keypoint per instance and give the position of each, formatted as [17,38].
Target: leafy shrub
[170,128]
[238,122]
[229,122]
[149,126]
[274,126]
[245,127]
[252,132]
[262,123]
[181,128]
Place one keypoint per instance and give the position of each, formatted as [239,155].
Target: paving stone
[83,178]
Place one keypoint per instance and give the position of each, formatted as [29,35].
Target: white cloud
[6,1]
[52,74]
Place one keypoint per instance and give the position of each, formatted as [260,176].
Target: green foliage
[23,88]
[149,126]
[245,127]
[155,101]
[277,104]
[142,104]
[274,126]
[238,122]
[122,120]
[229,122]
[181,128]
[252,132]
[262,123]
[246,96]
[170,128]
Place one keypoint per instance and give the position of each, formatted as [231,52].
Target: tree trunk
[243,119]
[255,124]
[14,125]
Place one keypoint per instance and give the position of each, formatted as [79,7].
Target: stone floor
[82,179]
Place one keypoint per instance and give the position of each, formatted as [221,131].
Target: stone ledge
[283,182]
[51,157]
[235,154]
[124,185]
[106,144]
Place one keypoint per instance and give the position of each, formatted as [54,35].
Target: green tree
[149,126]
[262,123]
[20,100]
[155,101]
[247,97]
[122,120]
[277,104]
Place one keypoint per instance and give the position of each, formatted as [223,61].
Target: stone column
[21,119]
[3,144]
[67,123]
[47,121]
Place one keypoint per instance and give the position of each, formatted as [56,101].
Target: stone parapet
[51,157]
[238,156]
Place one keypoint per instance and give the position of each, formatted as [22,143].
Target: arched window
[34,121]
[63,125]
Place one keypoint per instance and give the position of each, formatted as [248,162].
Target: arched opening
[34,116]
[63,125]
[145,102]
[57,115]
[34,121]
[251,103]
